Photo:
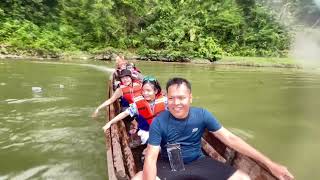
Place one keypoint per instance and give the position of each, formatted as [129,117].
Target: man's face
[179,100]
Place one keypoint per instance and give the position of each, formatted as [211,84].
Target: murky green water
[49,134]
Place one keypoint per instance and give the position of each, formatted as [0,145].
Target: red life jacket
[129,92]
[145,110]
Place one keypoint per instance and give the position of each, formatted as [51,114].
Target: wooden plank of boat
[117,166]
[254,169]
[110,170]
[120,160]
[127,153]
[108,139]
[123,161]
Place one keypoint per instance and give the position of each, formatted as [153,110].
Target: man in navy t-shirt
[166,129]
[184,125]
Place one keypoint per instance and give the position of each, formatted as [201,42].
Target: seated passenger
[121,64]
[145,107]
[127,91]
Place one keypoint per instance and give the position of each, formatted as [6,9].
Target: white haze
[317,2]
[306,46]
[306,49]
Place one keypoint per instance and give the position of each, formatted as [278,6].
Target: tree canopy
[170,28]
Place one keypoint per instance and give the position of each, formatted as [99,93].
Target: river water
[48,133]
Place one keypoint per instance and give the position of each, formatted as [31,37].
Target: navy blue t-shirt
[187,132]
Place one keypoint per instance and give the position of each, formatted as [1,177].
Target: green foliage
[176,30]
[27,36]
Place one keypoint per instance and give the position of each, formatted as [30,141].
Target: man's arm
[241,146]
[150,162]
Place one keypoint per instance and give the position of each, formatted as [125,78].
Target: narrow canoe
[124,162]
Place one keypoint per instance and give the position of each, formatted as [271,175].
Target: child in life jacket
[128,90]
[145,107]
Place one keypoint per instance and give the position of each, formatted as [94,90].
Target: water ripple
[54,111]
[34,100]
[30,173]
[4,177]
[13,145]
[60,171]
[242,133]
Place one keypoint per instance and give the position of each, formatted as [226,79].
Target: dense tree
[169,28]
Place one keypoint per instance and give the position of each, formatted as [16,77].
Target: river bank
[226,60]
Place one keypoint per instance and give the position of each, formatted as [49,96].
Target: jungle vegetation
[161,28]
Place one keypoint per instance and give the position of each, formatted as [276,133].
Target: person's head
[125,77]
[150,88]
[179,97]
[121,63]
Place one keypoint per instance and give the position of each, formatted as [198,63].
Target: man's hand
[228,138]
[281,172]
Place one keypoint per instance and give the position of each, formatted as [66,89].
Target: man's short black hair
[178,81]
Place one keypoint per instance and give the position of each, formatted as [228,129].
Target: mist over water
[306,46]
[96,67]
[317,2]
[99,68]
[306,49]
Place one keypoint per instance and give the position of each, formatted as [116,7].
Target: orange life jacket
[129,92]
[145,110]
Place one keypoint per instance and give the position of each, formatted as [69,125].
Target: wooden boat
[124,162]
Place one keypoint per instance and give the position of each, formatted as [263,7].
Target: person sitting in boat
[145,108]
[121,64]
[180,128]
[127,91]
